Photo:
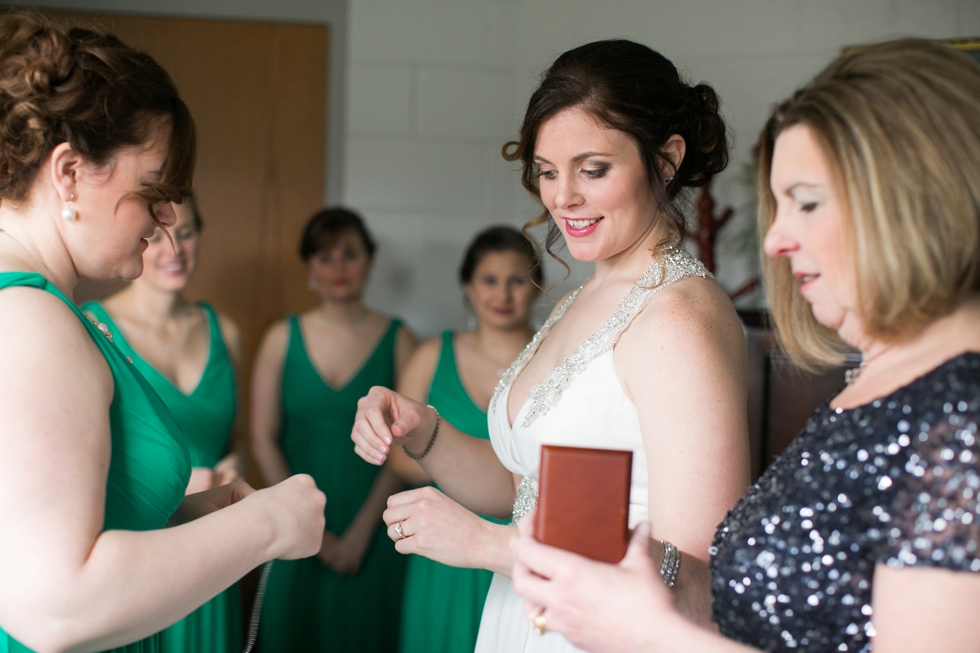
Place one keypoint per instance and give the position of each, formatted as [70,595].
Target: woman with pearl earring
[100,549]
[310,371]
[68,213]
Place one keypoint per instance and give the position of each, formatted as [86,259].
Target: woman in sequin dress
[609,140]
[866,530]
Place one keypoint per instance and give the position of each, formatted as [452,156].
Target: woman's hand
[383,415]
[295,508]
[435,526]
[327,545]
[204,503]
[228,470]
[596,606]
[349,553]
[343,554]
[202,479]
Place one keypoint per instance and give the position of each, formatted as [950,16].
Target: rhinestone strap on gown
[581,403]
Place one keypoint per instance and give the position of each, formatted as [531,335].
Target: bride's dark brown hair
[63,84]
[631,88]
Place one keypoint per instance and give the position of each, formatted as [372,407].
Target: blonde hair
[899,125]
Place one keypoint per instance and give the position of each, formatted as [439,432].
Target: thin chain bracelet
[671,564]
[428,447]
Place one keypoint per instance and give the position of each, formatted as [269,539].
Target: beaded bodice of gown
[580,403]
[895,482]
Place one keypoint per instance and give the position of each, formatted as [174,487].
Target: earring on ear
[68,213]
[667,180]
[311,284]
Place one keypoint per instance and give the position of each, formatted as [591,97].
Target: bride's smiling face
[594,184]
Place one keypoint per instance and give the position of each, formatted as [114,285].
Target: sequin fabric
[674,264]
[895,481]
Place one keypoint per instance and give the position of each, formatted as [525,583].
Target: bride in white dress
[647,355]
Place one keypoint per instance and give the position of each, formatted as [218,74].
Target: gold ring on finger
[540,623]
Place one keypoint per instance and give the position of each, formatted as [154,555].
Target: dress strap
[218,345]
[674,264]
[507,377]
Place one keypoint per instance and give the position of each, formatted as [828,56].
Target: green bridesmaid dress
[149,466]
[206,416]
[308,607]
[443,605]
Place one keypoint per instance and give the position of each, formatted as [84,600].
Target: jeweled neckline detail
[674,264]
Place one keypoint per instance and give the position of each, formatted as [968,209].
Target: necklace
[28,250]
[851,375]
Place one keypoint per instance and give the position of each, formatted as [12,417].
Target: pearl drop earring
[311,284]
[68,213]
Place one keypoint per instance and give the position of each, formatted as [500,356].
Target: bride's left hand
[596,606]
[435,526]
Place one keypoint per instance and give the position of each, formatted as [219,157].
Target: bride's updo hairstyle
[629,87]
[61,84]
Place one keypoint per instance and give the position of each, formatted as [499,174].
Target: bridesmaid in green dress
[457,373]
[310,371]
[188,353]
[95,144]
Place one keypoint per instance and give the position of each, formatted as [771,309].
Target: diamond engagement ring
[399,533]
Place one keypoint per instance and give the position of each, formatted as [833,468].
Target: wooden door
[258,95]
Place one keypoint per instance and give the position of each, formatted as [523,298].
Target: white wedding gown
[581,403]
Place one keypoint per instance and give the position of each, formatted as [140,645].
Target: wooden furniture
[782,396]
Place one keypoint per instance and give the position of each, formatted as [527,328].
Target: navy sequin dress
[895,481]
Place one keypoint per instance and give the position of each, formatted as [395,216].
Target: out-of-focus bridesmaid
[457,373]
[310,371]
[188,352]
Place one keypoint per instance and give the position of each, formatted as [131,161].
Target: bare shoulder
[425,358]
[689,318]
[39,312]
[693,303]
[230,330]
[47,339]
[406,338]
[274,340]
[231,334]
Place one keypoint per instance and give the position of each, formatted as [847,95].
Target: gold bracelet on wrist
[428,447]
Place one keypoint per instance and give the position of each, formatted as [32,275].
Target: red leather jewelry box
[583,501]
